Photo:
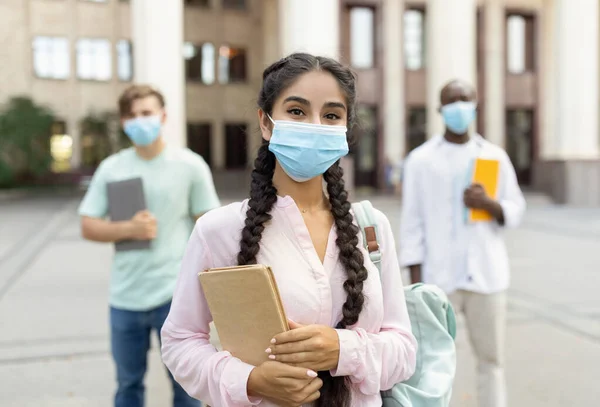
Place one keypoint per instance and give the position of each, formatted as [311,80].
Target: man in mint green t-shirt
[178,188]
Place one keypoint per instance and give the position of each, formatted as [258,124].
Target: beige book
[246,308]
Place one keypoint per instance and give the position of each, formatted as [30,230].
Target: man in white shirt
[467,260]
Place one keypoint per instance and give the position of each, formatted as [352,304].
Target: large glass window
[199,140]
[416,128]
[232,64]
[124,60]
[519,44]
[362,37]
[200,62]
[365,151]
[94,59]
[236,154]
[414,39]
[61,147]
[235,4]
[51,57]
[519,141]
[198,3]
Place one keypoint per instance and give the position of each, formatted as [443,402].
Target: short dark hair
[135,92]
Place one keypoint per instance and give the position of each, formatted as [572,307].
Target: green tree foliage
[96,141]
[101,136]
[25,129]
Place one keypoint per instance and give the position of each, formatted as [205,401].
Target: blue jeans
[130,342]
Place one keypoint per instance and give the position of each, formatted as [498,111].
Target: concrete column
[272,49]
[576,59]
[310,26]
[157,27]
[495,72]
[393,76]
[547,134]
[451,45]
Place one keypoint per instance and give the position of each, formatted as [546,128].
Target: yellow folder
[485,172]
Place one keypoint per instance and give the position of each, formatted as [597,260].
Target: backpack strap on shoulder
[365,217]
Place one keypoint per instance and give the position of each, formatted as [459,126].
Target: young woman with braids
[348,324]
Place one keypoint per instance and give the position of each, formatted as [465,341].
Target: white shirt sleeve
[412,233]
[510,196]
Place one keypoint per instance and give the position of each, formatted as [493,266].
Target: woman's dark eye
[296,112]
[332,116]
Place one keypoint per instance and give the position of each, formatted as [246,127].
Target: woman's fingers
[295,335]
[295,358]
[292,372]
[312,390]
[292,347]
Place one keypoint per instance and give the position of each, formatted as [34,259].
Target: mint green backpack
[433,324]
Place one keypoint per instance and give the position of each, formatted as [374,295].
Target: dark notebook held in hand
[125,199]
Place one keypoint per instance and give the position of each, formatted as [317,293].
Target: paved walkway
[54,347]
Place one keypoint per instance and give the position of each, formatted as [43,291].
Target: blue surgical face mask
[143,131]
[458,116]
[306,150]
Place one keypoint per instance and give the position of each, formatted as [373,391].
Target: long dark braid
[347,242]
[263,195]
[335,391]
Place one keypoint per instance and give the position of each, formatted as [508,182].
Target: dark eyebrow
[297,99]
[335,104]
[305,102]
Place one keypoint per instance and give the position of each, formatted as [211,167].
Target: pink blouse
[376,353]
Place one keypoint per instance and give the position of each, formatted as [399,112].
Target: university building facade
[533,62]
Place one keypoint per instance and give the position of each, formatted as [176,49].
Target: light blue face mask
[143,131]
[458,116]
[306,150]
